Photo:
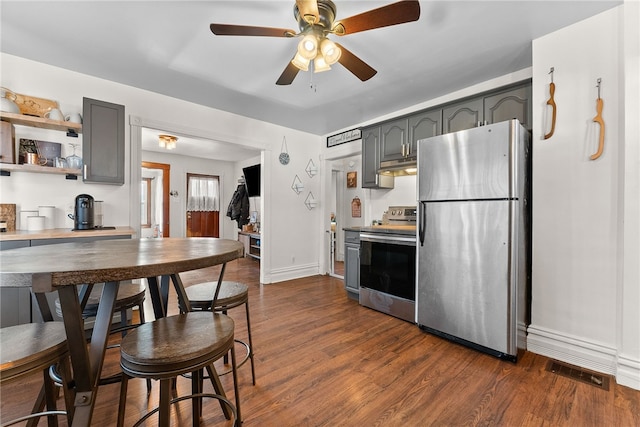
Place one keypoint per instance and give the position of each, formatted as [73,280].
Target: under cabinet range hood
[401,167]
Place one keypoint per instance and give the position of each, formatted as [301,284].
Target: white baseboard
[296,272]
[576,351]
[628,373]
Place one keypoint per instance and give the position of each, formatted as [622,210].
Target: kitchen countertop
[64,233]
[386,229]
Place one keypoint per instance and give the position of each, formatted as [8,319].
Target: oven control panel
[402,213]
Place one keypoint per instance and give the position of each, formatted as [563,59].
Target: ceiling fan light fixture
[320,65]
[308,47]
[330,51]
[300,62]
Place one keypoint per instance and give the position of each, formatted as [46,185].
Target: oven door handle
[394,240]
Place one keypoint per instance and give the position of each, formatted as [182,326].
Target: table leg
[156,298]
[86,362]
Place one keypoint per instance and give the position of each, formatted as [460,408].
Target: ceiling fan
[316,20]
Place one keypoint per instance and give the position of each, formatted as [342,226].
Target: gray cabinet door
[352,261]
[513,103]
[370,156]
[103,142]
[15,303]
[423,125]
[464,115]
[393,140]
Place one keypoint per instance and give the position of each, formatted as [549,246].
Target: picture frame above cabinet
[103,142]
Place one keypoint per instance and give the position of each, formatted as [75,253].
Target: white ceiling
[167,47]
[196,147]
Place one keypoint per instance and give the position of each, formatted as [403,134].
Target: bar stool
[32,347]
[177,345]
[230,295]
[130,295]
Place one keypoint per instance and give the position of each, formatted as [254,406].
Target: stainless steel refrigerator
[474,230]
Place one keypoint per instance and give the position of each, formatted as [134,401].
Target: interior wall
[577,202]
[284,257]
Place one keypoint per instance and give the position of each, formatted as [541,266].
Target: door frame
[166,175]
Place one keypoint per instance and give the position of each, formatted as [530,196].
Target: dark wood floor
[323,360]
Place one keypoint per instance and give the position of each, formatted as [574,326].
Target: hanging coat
[238,209]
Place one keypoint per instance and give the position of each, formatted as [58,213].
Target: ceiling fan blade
[393,14]
[246,30]
[287,76]
[357,66]
[308,10]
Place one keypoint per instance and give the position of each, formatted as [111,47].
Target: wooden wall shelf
[40,122]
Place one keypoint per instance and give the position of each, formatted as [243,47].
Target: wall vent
[589,377]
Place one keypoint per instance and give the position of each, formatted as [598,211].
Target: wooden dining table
[67,266]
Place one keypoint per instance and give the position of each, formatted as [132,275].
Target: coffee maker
[83,215]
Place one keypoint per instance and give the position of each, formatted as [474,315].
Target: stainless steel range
[388,264]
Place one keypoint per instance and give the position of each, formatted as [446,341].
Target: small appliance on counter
[83,214]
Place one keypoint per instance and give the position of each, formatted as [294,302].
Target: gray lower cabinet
[103,142]
[352,262]
[16,304]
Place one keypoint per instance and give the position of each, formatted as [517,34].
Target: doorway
[203,205]
[154,199]
[336,233]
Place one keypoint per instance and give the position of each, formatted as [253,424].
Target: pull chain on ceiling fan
[316,20]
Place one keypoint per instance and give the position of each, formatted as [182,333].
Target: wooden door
[203,221]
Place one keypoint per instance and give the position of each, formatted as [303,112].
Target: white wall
[180,166]
[578,204]
[290,241]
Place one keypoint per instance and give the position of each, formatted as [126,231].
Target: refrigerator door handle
[423,222]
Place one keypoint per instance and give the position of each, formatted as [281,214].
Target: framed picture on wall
[352,179]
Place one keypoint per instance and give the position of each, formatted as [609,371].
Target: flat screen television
[252,180]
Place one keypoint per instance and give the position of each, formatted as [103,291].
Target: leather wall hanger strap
[598,119]
[552,103]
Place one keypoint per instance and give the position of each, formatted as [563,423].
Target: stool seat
[232,294]
[34,347]
[129,295]
[174,345]
[30,347]
[177,345]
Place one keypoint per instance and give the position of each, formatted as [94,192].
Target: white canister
[35,223]
[23,219]
[49,213]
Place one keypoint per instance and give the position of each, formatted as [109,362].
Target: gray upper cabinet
[424,125]
[504,104]
[371,160]
[463,115]
[103,142]
[513,103]
[393,140]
